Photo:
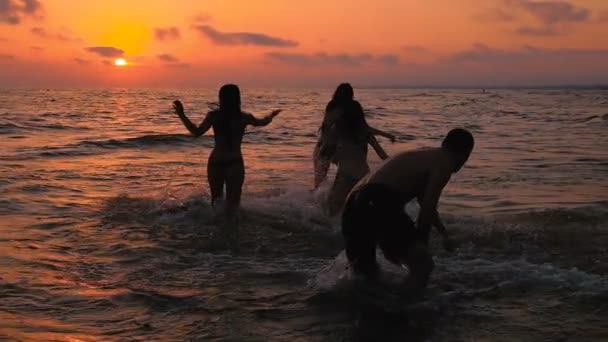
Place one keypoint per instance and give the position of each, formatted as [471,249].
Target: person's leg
[235,177]
[321,166]
[402,246]
[420,264]
[343,184]
[216,178]
[359,238]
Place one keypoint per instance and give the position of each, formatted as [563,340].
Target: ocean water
[106,233]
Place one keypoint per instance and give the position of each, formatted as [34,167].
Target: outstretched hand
[178,107]
[275,113]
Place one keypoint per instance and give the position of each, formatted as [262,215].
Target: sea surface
[106,233]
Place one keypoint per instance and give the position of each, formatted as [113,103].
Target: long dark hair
[343,94]
[230,99]
[352,123]
[230,107]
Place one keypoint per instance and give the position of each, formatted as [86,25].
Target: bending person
[375,214]
[225,166]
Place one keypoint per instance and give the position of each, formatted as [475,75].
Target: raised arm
[253,121]
[376,131]
[373,142]
[196,131]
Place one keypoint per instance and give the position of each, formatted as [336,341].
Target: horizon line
[599,86]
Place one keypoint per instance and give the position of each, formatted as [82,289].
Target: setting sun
[120,62]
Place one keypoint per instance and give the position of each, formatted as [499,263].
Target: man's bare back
[409,172]
[374,212]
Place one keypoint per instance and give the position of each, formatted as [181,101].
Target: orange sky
[308,43]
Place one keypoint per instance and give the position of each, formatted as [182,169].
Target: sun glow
[120,62]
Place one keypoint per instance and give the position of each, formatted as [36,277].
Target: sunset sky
[45,43]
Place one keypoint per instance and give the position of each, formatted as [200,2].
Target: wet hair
[459,141]
[230,99]
[352,123]
[230,107]
[344,93]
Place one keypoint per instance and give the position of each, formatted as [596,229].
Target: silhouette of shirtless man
[374,213]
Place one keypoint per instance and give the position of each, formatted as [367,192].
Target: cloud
[481,53]
[12,12]
[167,33]
[178,65]
[36,48]
[171,61]
[81,61]
[2,39]
[414,48]
[167,58]
[243,38]
[43,33]
[106,51]
[388,59]
[550,18]
[546,31]
[495,14]
[202,18]
[321,58]
[6,57]
[552,12]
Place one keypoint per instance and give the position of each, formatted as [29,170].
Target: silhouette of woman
[344,135]
[225,166]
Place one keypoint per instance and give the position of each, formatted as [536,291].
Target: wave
[589,119]
[426,95]
[92,147]
[143,141]
[8,128]
[11,128]
[459,104]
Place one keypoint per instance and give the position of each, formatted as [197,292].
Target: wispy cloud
[81,61]
[6,57]
[167,33]
[543,31]
[106,51]
[43,33]
[494,14]
[178,65]
[552,12]
[388,59]
[202,18]
[322,58]
[243,38]
[171,61]
[167,58]
[550,18]
[36,48]
[12,12]
[481,53]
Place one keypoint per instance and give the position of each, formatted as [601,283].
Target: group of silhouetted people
[372,203]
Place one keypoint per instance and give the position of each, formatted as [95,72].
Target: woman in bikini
[225,166]
[344,136]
